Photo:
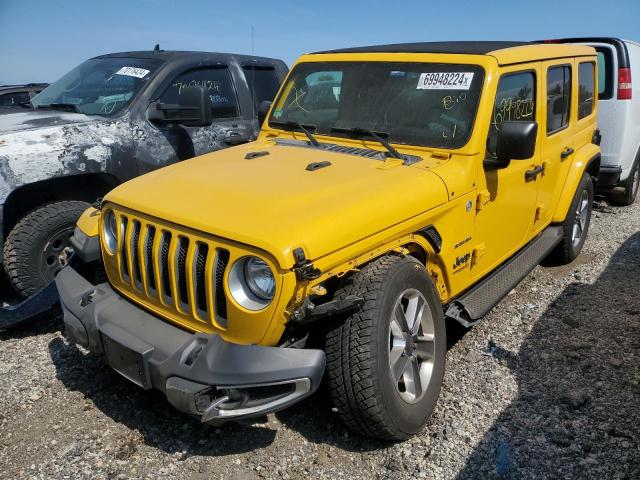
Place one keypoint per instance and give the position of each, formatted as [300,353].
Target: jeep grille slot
[165,242]
[200,262]
[222,260]
[150,236]
[135,257]
[124,257]
[181,274]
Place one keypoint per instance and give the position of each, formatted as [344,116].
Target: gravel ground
[546,386]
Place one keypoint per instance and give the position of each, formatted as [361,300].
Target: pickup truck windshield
[424,104]
[100,86]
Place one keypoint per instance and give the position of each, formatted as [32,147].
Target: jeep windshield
[100,86]
[422,104]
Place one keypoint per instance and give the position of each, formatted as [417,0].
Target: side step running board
[475,303]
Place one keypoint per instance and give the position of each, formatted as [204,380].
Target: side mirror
[516,140]
[192,110]
[263,111]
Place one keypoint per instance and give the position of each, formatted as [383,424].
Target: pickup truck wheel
[385,362]
[626,194]
[576,225]
[36,247]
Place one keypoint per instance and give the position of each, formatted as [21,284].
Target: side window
[263,83]
[13,99]
[558,98]
[586,82]
[216,81]
[515,101]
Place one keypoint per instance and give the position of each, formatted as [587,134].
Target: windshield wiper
[62,106]
[297,126]
[26,104]
[379,136]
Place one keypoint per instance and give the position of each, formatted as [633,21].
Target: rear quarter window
[605,73]
[586,87]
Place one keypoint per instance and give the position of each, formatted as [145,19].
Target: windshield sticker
[445,81]
[133,72]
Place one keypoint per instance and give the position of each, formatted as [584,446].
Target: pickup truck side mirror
[192,110]
[263,111]
[516,140]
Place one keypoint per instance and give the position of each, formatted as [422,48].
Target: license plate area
[130,362]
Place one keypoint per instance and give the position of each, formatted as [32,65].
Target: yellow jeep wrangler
[392,187]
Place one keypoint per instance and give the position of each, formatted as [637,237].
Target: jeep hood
[275,203]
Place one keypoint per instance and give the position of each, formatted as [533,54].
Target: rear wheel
[626,194]
[36,248]
[576,225]
[385,362]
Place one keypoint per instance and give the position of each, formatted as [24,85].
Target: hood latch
[304,268]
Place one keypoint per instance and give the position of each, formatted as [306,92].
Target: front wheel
[36,247]
[385,362]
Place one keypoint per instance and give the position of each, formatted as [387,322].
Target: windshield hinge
[304,268]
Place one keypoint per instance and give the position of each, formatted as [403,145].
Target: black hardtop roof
[169,55]
[466,47]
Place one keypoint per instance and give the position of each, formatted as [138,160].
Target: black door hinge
[304,268]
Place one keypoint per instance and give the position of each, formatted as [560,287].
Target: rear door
[556,135]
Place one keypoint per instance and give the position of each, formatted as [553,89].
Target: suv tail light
[624,84]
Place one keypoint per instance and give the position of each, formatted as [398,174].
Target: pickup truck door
[159,145]
[507,196]
[556,135]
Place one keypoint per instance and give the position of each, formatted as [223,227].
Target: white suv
[618,115]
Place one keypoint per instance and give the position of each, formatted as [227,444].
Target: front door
[159,145]
[507,198]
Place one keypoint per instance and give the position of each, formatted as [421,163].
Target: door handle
[533,173]
[234,138]
[566,152]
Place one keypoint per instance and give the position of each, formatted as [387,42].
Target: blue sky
[41,40]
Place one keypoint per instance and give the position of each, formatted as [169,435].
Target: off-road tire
[25,245]
[625,194]
[358,375]
[568,250]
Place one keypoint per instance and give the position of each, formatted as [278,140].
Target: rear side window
[605,73]
[263,83]
[586,84]
[515,101]
[558,98]
[217,82]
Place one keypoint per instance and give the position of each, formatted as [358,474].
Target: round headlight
[252,283]
[259,278]
[110,231]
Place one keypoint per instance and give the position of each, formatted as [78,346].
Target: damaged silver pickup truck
[110,119]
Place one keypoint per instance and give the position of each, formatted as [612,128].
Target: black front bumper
[201,374]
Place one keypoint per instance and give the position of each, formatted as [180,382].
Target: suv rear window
[263,83]
[558,98]
[586,82]
[216,81]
